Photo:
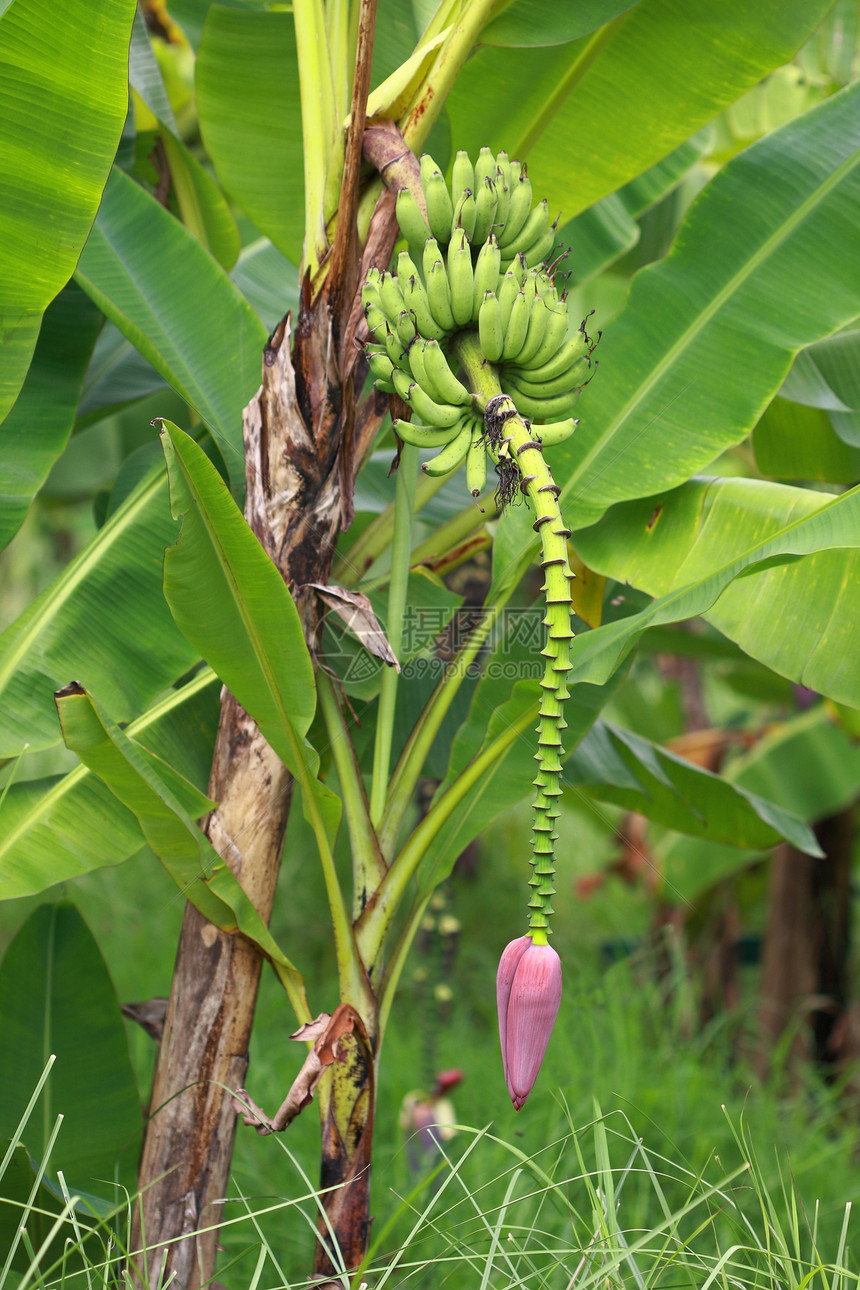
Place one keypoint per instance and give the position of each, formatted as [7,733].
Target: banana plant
[226,540]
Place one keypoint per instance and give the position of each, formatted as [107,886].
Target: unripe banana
[465,214]
[380,365]
[453,454]
[517,327]
[556,431]
[430,412]
[418,304]
[490,330]
[486,274]
[538,319]
[507,293]
[563,359]
[442,380]
[518,211]
[377,321]
[395,351]
[476,462]
[503,202]
[535,225]
[503,166]
[553,337]
[538,409]
[541,250]
[439,295]
[486,202]
[440,211]
[415,354]
[429,256]
[485,167]
[519,268]
[462,176]
[391,296]
[567,382]
[413,226]
[461,279]
[423,436]
[404,325]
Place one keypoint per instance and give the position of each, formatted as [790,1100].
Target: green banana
[507,293]
[538,319]
[395,350]
[534,227]
[486,203]
[461,279]
[490,330]
[429,256]
[462,176]
[453,454]
[439,296]
[430,412]
[422,436]
[442,380]
[503,167]
[553,337]
[404,325]
[538,409]
[465,214]
[563,359]
[376,320]
[515,332]
[412,223]
[571,379]
[485,166]
[541,250]
[391,297]
[476,462]
[518,211]
[380,365]
[556,431]
[415,354]
[418,304]
[486,274]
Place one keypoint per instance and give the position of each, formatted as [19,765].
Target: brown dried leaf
[357,612]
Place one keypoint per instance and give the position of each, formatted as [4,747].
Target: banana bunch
[493,196]
[476,264]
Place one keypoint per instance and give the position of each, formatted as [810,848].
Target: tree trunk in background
[806,949]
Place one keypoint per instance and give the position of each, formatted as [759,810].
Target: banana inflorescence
[471,332]
[480,262]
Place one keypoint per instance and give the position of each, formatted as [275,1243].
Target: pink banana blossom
[528,994]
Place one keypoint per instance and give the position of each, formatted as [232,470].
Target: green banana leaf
[598,236]
[763,264]
[618,766]
[805,383]
[103,620]
[808,764]
[201,203]
[711,304]
[229,600]
[676,545]
[176,305]
[268,281]
[163,801]
[590,115]
[117,376]
[247,87]
[64,103]
[37,428]
[838,360]
[532,22]
[795,441]
[52,830]
[56,996]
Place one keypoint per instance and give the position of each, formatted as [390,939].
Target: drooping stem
[522,465]
[400,552]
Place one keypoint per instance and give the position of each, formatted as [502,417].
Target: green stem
[355,562]
[425,109]
[368,867]
[511,436]
[401,547]
[372,928]
[409,767]
[317,97]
